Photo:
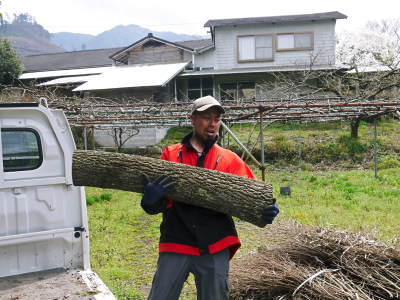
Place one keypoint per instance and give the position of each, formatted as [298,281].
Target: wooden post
[175,91]
[262,147]
[375,151]
[85,138]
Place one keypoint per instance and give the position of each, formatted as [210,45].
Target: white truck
[44,236]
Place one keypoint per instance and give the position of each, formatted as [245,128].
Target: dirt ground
[53,284]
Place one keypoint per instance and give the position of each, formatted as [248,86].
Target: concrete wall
[226,56]
[146,137]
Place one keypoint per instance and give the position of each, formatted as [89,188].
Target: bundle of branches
[319,264]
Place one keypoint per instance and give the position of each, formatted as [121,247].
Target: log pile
[319,264]
[230,194]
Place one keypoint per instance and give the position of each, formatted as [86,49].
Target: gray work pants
[210,272]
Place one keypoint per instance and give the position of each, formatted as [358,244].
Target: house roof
[68,60]
[276,19]
[191,46]
[64,73]
[197,45]
[133,76]
[67,80]
[91,58]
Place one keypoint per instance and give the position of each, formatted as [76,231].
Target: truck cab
[43,216]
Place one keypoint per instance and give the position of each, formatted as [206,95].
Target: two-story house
[240,56]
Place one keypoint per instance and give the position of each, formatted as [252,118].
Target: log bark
[230,194]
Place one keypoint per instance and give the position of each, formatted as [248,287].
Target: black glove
[270,212]
[154,201]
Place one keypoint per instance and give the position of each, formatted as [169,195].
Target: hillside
[71,41]
[31,46]
[28,37]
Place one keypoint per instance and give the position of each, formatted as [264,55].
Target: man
[195,239]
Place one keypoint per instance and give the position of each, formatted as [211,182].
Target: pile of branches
[319,264]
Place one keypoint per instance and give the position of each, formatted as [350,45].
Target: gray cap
[204,103]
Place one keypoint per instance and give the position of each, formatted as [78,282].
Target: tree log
[226,193]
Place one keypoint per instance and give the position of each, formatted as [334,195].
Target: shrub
[10,64]
[281,148]
[104,197]
[353,146]
[92,199]
[306,166]
[389,162]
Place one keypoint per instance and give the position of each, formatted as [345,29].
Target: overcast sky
[96,16]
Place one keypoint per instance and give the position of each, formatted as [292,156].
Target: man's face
[206,124]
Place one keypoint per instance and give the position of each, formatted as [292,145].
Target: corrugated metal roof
[133,76]
[67,80]
[276,19]
[63,73]
[68,60]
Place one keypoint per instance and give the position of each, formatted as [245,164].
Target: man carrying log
[194,239]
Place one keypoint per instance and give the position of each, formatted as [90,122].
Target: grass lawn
[124,239]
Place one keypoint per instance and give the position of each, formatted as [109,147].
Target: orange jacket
[195,230]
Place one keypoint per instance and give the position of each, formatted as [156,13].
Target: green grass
[124,240]
[123,243]
[352,200]
[175,135]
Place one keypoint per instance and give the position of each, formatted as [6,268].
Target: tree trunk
[354,125]
[230,194]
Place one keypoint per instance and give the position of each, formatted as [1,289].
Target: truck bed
[54,284]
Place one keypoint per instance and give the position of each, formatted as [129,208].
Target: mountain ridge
[118,36]
[29,38]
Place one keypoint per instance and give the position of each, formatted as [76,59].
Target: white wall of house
[226,56]
[205,59]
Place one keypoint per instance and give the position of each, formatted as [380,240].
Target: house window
[237,90]
[199,87]
[255,48]
[295,41]
[21,149]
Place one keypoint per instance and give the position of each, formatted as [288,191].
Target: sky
[189,17]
